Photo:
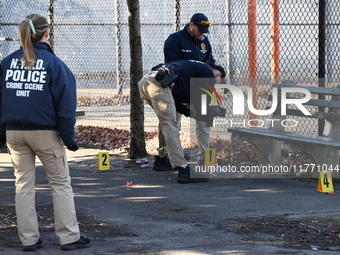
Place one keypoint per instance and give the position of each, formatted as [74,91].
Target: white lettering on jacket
[24,81]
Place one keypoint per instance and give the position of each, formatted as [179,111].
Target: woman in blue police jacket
[38,105]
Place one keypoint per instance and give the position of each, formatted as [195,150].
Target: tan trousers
[202,134]
[46,144]
[162,102]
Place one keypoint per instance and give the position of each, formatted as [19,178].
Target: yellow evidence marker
[104,160]
[210,158]
[325,182]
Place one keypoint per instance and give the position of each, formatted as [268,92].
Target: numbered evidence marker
[103,160]
[325,183]
[210,157]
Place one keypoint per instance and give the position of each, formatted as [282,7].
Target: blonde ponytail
[31,29]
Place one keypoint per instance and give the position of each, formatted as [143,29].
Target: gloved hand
[217,111]
[73,146]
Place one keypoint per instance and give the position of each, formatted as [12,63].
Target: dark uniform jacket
[40,99]
[183,45]
[185,92]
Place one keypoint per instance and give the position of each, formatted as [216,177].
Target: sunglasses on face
[203,24]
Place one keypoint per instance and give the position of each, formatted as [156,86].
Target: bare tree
[137,143]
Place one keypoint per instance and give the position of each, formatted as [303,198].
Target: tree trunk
[137,143]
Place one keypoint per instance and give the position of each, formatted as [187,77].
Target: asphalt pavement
[139,211]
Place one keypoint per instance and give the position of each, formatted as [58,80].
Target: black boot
[162,163]
[33,247]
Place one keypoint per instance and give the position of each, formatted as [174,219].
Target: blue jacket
[183,45]
[184,92]
[40,99]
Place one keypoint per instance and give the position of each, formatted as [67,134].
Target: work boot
[184,176]
[33,247]
[83,242]
[162,163]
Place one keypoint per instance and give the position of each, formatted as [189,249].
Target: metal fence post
[252,53]
[177,15]
[118,47]
[275,40]
[228,42]
[322,71]
[51,22]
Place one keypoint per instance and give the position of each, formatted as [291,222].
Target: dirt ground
[9,236]
[310,233]
[314,233]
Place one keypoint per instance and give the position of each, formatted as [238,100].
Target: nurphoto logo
[239,101]
[215,97]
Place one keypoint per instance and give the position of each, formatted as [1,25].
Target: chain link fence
[258,42]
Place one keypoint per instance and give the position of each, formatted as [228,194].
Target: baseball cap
[201,21]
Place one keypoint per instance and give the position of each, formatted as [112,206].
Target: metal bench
[323,149]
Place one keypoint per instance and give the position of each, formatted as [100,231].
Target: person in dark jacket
[168,99]
[190,42]
[38,103]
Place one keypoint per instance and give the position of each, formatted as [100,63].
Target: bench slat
[313,145]
[314,90]
[315,115]
[323,103]
[315,102]
[288,136]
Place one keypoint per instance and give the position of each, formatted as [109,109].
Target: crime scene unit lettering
[25,81]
